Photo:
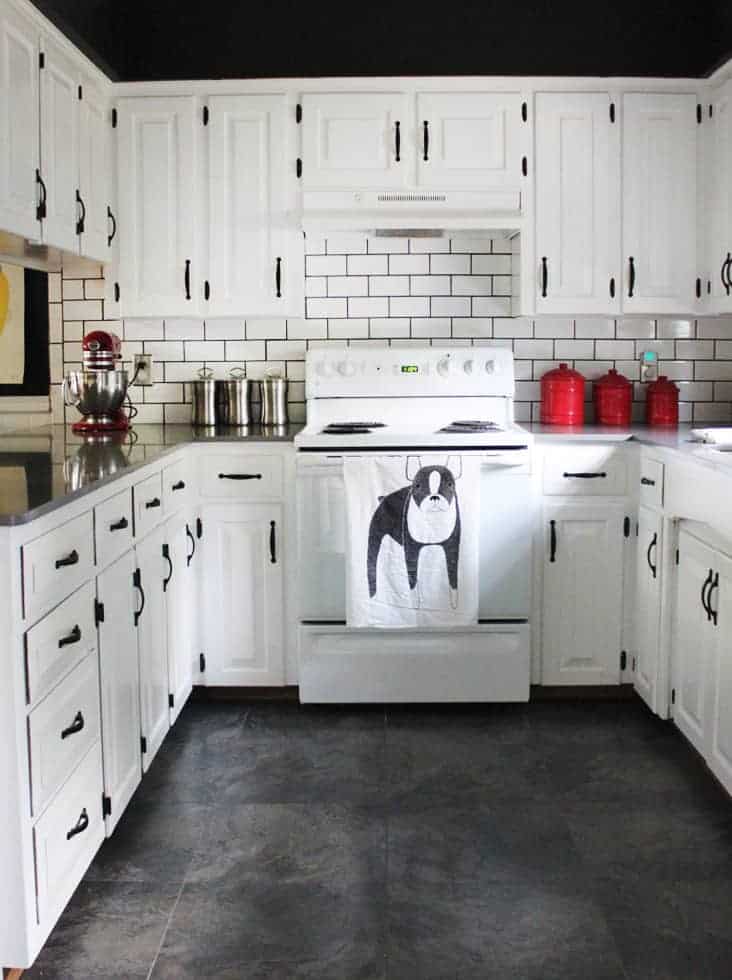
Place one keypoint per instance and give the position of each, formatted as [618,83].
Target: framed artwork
[24,358]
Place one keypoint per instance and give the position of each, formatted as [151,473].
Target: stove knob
[490,367]
[443,367]
[468,367]
[323,369]
[346,369]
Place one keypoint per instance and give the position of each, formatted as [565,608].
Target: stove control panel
[409,372]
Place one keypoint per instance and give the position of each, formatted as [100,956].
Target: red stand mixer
[99,390]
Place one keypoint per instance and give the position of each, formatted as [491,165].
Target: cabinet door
[182,599]
[720,203]
[152,644]
[719,688]
[94,165]
[119,680]
[19,124]
[577,195]
[243,575]
[350,140]
[659,203]
[250,268]
[60,81]
[582,607]
[160,274]
[648,605]
[693,636]
[469,140]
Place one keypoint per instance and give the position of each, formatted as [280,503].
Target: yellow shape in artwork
[4,299]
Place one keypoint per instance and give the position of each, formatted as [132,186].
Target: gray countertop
[45,467]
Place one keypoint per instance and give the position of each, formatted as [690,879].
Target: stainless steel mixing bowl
[97,393]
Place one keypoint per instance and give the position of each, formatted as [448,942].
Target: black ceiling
[177,39]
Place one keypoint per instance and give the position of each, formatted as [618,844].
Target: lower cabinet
[181,604]
[154,569]
[119,681]
[243,595]
[582,592]
[649,574]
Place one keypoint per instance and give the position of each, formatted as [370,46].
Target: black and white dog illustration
[424,513]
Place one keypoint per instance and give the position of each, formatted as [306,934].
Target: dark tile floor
[551,841]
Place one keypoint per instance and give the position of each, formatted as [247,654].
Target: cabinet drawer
[113,527]
[242,477]
[57,564]
[61,730]
[59,642]
[651,483]
[68,835]
[177,489]
[586,471]
[148,498]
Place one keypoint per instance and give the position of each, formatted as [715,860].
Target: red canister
[662,402]
[613,397]
[562,397]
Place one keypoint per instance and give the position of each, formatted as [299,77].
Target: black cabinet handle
[272,542]
[552,541]
[631,277]
[81,824]
[397,141]
[180,485]
[646,482]
[73,637]
[76,726]
[119,525]
[707,583]
[584,476]
[612,287]
[41,207]
[187,279]
[544,275]
[110,236]
[189,535]
[206,290]
[278,277]
[150,504]
[166,556]
[725,273]
[240,476]
[137,582]
[70,559]
[82,218]
[425,141]
[651,546]
[714,585]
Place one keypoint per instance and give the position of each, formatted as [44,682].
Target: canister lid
[563,373]
[613,379]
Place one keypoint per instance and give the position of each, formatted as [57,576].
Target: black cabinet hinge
[202,662]
[106,805]
[524,166]
[298,113]
[171,700]
[199,528]
[143,744]
[298,167]
[81,93]
[698,113]
[612,112]
[633,668]
[98,612]
[524,112]
[114,118]
[711,110]
[673,695]
[205,115]
[41,59]
[626,527]
[623,659]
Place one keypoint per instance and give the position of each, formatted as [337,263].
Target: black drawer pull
[155,502]
[240,476]
[189,556]
[584,476]
[180,485]
[81,825]
[76,726]
[70,559]
[647,482]
[119,525]
[272,542]
[552,541]
[73,637]
[397,141]
[425,141]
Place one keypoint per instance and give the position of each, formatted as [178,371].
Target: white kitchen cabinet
[182,598]
[243,598]
[119,679]
[356,140]
[582,592]
[94,170]
[20,190]
[576,201]
[719,693]
[60,80]
[158,201]
[153,568]
[469,140]
[660,134]
[255,262]
[719,203]
[648,585]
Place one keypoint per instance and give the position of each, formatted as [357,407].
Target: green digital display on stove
[410,369]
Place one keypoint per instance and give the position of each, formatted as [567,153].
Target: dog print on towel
[426,512]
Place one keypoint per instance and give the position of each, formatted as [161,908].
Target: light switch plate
[143,369]
[649,365]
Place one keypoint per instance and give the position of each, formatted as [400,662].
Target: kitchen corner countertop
[45,467]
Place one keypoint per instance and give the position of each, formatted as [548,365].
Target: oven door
[505,536]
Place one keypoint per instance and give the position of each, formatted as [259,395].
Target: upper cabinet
[660,271]
[719,203]
[60,81]
[577,194]
[94,225]
[19,122]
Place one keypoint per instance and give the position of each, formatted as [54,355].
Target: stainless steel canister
[274,400]
[204,399]
[232,399]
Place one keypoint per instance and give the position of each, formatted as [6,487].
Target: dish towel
[413,527]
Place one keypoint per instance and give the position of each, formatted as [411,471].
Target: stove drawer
[242,477]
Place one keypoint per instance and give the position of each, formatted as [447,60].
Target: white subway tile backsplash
[505,326]
[302,329]
[184,329]
[450,306]
[534,348]
[83,309]
[472,326]
[703,370]
[474,245]
[316,286]
[558,328]
[684,329]
[433,327]
[285,350]
[431,245]
[430,285]
[326,308]
[347,285]
[368,306]
[325,265]
[388,285]
[367,265]
[345,243]
[568,350]
[387,246]
[491,265]
[475,286]
[162,350]
[635,327]
[409,265]
[614,348]
[143,329]
[73,289]
[594,327]
[412,306]
[389,327]
[449,265]
[207,350]
[695,349]
[228,329]
[245,350]
[491,306]
[683,370]
[345,329]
